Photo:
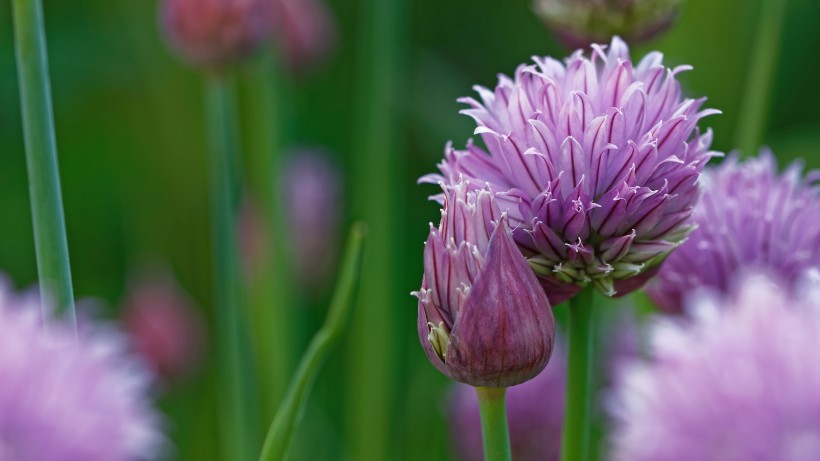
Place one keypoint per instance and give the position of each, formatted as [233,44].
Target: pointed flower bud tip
[483,317]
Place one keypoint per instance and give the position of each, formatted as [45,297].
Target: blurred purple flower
[535,411]
[578,23]
[738,383]
[304,30]
[750,219]
[67,400]
[313,202]
[164,325]
[483,319]
[595,162]
[213,33]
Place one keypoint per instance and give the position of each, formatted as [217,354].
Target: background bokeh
[133,158]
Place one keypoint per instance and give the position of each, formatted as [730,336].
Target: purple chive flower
[750,219]
[213,33]
[67,400]
[594,161]
[578,23]
[535,412]
[738,383]
[483,318]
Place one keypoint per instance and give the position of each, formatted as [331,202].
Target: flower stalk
[751,126]
[50,242]
[280,435]
[575,437]
[239,432]
[492,406]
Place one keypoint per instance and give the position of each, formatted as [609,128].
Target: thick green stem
[376,199]
[575,438]
[238,426]
[287,417]
[41,157]
[493,407]
[759,79]
[274,293]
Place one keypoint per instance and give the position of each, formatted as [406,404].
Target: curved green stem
[50,243]
[492,405]
[762,65]
[238,428]
[575,437]
[280,435]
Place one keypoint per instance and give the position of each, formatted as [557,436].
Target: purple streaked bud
[736,380]
[579,23]
[483,317]
[214,33]
[750,219]
[595,161]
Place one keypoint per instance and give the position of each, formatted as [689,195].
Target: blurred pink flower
[304,31]
[213,33]
[165,326]
[313,195]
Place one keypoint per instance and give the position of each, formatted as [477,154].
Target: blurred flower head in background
[737,383]
[164,324]
[214,33]
[67,399]
[579,23]
[483,319]
[305,32]
[535,411]
[314,201]
[751,218]
[595,162]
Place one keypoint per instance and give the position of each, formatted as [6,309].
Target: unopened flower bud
[483,317]
[213,33]
[579,23]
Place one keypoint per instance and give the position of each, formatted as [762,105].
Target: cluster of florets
[594,160]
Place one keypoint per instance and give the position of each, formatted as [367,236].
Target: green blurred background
[133,158]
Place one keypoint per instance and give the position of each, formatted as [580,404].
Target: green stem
[290,413]
[759,79]
[493,408]
[235,385]
[376,199]
[274,292]
[50,242]
[575,437]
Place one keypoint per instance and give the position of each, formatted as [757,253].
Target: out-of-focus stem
[50,242]
[373,348]
[275,303]
[754,105]
[290,412]
[238,424]
[496,434]
[575,437]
